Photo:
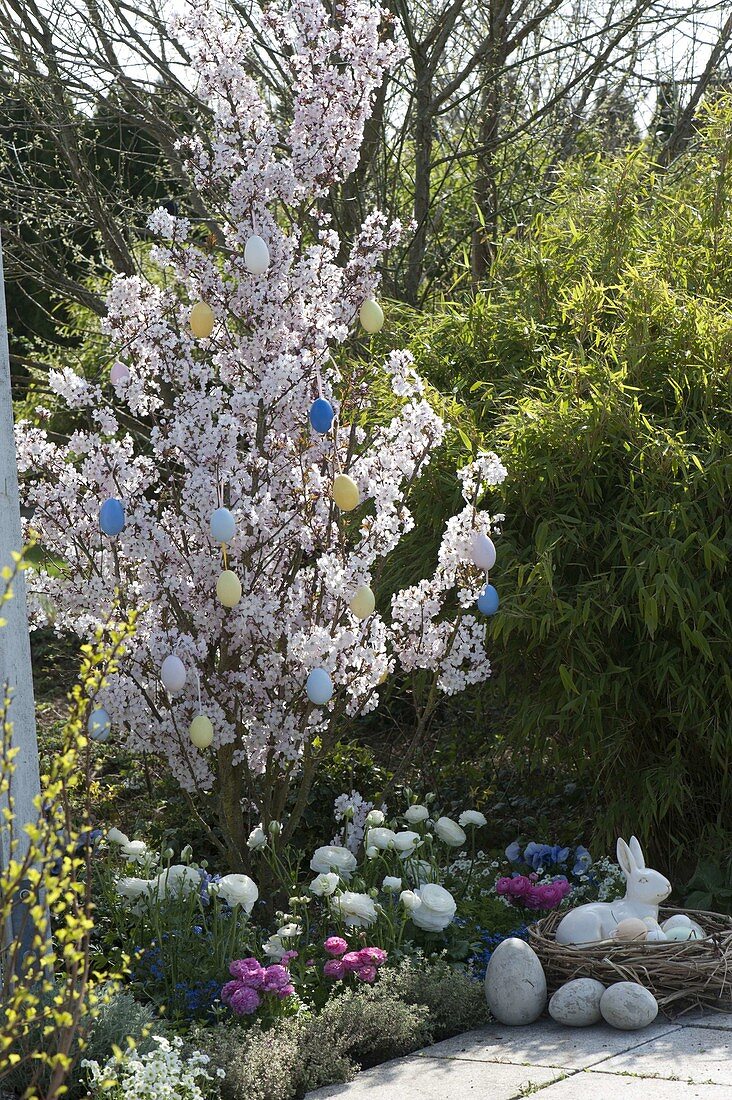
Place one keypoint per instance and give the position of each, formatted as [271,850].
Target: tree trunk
[422,133]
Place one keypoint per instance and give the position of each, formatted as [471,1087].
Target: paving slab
[546,1043]
[700,1055]
[706,1018]
[600,1086]
[422,1078]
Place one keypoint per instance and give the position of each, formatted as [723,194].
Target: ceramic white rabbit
[645,890]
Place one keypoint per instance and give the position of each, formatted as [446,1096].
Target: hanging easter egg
[345,493]
[222,525]
[228,588]
[371,316]
[201,731]
[363,603]
[201,320]
[99,724]
[319,687]
[118,373]
[173,673]
[488,601]
[256,255]
[112,517]
[483,552]
[321,415]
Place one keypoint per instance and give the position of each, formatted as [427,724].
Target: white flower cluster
[160,1075]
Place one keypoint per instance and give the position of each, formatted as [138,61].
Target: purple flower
[372,956]
[513,852]
[275,977]
[334,945]
[366,973]
[245,1000]
[285,991]
[334,969]
[582,860]
[352,961]
[248,971]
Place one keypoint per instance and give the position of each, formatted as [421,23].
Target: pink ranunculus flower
[372,956]
[335,945]
[227,991]
[245,1000]
[352,960]
[248,971]
[334,969]
[285,991]
[366,973]
[275,977]
[288,956]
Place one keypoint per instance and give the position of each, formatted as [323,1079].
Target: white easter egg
[363,603]
[201,731]
[173,673]
[228,588]
[256,255]
[201,320]
[483,551]
[371,316]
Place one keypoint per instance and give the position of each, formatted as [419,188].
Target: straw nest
[681,976]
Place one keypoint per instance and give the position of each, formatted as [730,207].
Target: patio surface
[686,1059]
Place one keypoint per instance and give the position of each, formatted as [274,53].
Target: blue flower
[582,860]
[542,855]
[513,852]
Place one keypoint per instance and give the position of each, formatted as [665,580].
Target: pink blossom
[366,973]
[334,969]
[372,956]
[245,1000]
[248,971]
[285,991]
[334,945]
[352,960]
[275,977]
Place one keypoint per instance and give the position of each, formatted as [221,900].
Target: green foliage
[710,887]
[599,368]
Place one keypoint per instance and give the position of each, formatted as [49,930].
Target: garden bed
[681,976]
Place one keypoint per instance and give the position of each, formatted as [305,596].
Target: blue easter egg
[112,516]
[99,725]
[321,415]
[222,525]
[488,600]
[319,687]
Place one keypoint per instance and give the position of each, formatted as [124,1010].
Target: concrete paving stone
[706,1018]
[697,1054]
[441,1079]
[591,1085]
[546,1043]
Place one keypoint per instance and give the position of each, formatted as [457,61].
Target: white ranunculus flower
[392,884]
[449,831]
[380,838]
[324,885]
[133,888]
[257,838]
[289,931]
[437,909]
[357,910]
[177,879]
[114,836]
[372,853]
[472,817]
[415,814]
[238,890]
[410,900]
[331,857]
[134,851]
[406,842]
[374,819]
[274,948]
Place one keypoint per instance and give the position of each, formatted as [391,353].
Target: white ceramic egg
[483,552]
[173,673]
[256,255]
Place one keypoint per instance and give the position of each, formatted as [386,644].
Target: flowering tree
[266,608]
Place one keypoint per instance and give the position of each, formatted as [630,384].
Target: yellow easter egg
[363,603]
[201,731]
[201,320]
[371,316]
[345,493]
[228,588]
[632,928]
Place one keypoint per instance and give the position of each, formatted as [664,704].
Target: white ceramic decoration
[628,1006]
[645,890]
[515,985]
[680,920]
[577,1003]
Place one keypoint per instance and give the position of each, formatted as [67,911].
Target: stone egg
[632,928]
[363,603]
[99,725]
[228,588]
[483,552]
[201,320]
[515,985]
[345,493]
[488,601]
[319,687]
[222,525]
[577,1003]
[201,731]
[628,1006]
[371,316]
[173,673]
[112,517]
[256,255]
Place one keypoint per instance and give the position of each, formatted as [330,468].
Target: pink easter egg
[119,372]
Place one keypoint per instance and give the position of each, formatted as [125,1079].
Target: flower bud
[186,854]
[275,828]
